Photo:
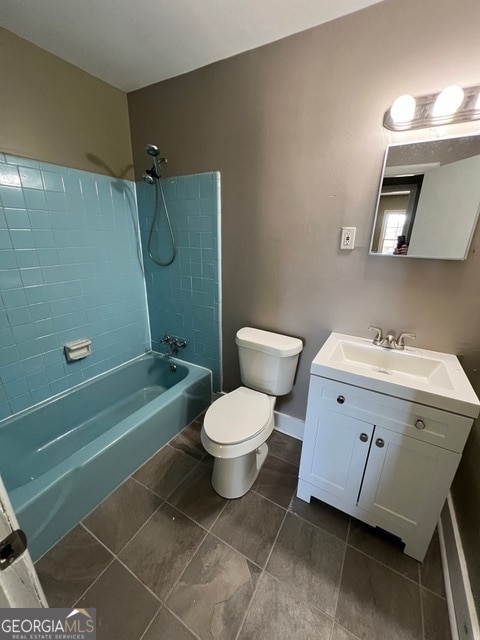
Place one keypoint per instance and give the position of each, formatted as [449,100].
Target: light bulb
[448,101]
[403,109]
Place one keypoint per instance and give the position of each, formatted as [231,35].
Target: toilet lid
[237,416]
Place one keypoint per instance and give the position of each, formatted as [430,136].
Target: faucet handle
[401,341]
[378,335]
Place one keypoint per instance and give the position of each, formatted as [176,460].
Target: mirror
[429,199]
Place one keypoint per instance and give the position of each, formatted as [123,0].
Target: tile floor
[165,558]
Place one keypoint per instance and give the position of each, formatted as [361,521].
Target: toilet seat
[237,417]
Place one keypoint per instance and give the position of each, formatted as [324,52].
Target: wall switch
[348,237]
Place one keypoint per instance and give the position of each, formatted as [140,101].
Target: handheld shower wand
[150,174]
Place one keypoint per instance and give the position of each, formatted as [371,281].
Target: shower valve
[175,343]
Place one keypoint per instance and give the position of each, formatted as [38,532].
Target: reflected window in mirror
[429,199]
[395,214]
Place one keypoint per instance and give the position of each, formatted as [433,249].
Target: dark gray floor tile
[122,514]
[124,606]
[377,603]
[188,441]
[68,569]
[435,617]
[431,570]
[339,633]
[322,515]
[310,560]
[196,497]
[167,627]
[276,613]
[285,447]
[382,548]
[277,481]
[250,524]
[162,549]
[164,472]
[214,591]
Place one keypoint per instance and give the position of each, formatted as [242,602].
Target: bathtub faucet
[175,343]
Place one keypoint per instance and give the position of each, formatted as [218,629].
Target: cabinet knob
[420,424]
[364,437]
[341,399]
[380,442]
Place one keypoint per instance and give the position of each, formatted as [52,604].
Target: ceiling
[134,43]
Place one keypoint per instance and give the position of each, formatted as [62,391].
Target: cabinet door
[406,481]
[334,453]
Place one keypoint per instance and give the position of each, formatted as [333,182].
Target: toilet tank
[268,361]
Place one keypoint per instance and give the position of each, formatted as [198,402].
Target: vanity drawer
[438,427]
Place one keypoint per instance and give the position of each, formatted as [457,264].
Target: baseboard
[461,606]
[289,425]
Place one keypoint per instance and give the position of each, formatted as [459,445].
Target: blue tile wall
[184,298]
[70,267]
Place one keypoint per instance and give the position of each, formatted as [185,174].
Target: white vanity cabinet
[385,460]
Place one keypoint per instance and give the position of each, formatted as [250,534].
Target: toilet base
[233,477]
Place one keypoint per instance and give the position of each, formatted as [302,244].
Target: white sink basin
[427,377]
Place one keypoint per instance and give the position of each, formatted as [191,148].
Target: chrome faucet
[175,343]
[402,336]
[389,341]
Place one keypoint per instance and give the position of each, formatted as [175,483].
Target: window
[393,225]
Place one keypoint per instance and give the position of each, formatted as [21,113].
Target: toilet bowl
[235,430]
[236,426]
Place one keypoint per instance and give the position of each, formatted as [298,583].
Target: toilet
[237,425]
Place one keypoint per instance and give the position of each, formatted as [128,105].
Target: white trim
[289,425]
[461,605]
[410,169]
[448,580]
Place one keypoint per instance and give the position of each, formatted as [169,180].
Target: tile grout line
[422,617]
[117,553]
[247,610]
[115,557]
[293,591]
[169,593]
[164,606]
[386,566]
[317,526]
[120,561]
[337,598]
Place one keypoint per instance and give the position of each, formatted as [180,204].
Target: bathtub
[61,458]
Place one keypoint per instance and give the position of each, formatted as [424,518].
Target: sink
[405,364]
[428,377]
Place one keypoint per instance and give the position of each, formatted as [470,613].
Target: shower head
[152,150]
[150,174]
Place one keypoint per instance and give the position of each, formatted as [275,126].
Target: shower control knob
[364,437]
[341,399]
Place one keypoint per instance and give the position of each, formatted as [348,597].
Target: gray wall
[295,128]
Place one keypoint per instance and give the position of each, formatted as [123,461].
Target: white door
[447,209]
[19,583]
[406,482]
[334,454]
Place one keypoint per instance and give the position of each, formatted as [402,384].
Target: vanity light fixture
[448,101]
[449,106]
